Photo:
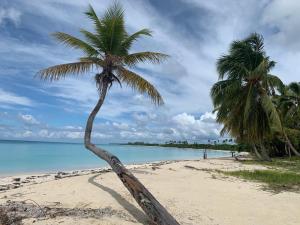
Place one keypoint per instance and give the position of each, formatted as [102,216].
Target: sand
[193,196]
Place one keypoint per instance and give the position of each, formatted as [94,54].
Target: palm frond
[271,111]
[295,88]
[138,83]
[93,39]
[75,43]
[273,82]
[96,60]
[128,41]
[60,71]
[139,57]
[256,41]
[113,30]
[93,16]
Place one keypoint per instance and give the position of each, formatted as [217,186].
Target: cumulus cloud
[9,98]
[182,126]
[189,127]
[195,33]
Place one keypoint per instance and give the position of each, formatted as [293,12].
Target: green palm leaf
[128,41]
[60,71]
[138,83]
[93,40]
[75,43]
[93,16]
[140,57]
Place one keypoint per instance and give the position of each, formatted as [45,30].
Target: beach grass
[281,174]
[287,164]
[276,180]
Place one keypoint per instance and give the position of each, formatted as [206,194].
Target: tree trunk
[256,152]
[157,213]
[288,150]
[264,153]
[290,144]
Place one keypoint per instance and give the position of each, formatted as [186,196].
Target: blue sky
[194,32]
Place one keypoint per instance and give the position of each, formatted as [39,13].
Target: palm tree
[242,96]
[107,51]
[289,101]
[289,108]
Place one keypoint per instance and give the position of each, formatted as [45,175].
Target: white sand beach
[193,195]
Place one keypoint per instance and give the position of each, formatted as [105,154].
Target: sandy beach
[190,190]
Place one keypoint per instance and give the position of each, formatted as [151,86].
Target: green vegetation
[282,173]
[226,147]
[275,180]
[282,164]
[254,106]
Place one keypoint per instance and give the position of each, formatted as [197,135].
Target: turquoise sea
[21,157]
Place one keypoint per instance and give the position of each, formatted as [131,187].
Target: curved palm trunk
[288,150]
[157,213]
[256,152]
[290,144]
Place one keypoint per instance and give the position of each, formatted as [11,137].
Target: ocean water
[18,157]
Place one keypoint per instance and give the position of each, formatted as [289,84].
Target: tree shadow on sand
[132,209]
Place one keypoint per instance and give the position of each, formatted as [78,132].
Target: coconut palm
[288,104]
[107,50]
[241,97]
[289,101]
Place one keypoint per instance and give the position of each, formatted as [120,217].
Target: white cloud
[191,128]
[9,98]
[184,119]
[24,134]
[184,80]
[70,127]
[284,18]
[43,133]
[28,119]
[121,126]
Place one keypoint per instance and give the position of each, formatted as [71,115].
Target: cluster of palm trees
[254,106]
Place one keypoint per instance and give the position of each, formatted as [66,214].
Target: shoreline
[15,181]
[192,191]
[214,147]
[36,173]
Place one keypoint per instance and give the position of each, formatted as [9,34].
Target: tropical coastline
[177,158]
[222,147]
[44,157]
[86,197]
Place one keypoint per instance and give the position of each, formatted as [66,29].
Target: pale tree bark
[288,150]
[256,152]
[290,144]
[156,212]
[264,153]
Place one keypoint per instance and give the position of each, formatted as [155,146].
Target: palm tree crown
[241,97]
[289,101]
[108,49]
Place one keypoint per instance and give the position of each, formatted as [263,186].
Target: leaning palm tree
[242,96]
[107,50]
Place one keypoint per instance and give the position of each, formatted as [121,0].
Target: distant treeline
[227,147]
